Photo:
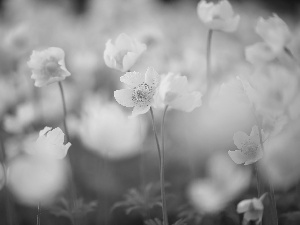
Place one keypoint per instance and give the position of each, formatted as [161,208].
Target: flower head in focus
[48,66]
[173,91]
[252,209]
[250,149]
[218,16]
[274,32]
[124,53]
[140,92]
[50,143]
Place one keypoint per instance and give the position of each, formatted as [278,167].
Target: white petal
[123,41]
[129,60]
[137,110]
[255,135]
[152,78]
[257,157]
[132,79]
[124,97]
[259,53]
[237,156]
[243,206]
[44,131]
[240,138]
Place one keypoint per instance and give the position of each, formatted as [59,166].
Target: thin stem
[38,219]
[65,110]
[162,171]
[155,133]
[208,66]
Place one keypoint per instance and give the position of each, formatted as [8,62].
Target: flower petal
[255,135]
[187,102]
[137,110]
[240,138]
[243,206]
[257,157]
[132,79]
[152,78]
[129,60]
[237,156]
[124,97]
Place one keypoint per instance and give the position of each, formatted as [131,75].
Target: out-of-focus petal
[237,156]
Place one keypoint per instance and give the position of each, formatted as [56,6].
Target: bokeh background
[111,154]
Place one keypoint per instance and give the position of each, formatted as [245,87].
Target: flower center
[142,94]
[52,68]
[250,148]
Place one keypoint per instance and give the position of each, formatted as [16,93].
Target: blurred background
[111,154]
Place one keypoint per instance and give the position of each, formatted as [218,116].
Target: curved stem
[162,171]
[64,109]
[155,133]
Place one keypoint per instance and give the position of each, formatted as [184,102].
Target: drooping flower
[50,143]
[124,53]
[250,149]
[174,92]
[140,92]
[225,182]
[105,129]
[252,209]
[218,16]
[48,66]
[274,32]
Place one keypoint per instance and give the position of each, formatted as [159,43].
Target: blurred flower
[48,66]
[141,90]
[281,161]
[274,32]
[259,53]
[50,143]
[250,149]
[173,91]
[226,181]
[123,55]
[218,16]
[33,180]
[252,209]
[24,116]
[105,129]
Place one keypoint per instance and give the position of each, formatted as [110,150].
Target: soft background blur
[110,154]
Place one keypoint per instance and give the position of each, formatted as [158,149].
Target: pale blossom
[104,128]
[224,183]
[252,209]
[274,32]
[33,179]
[249,147]
[140,92]
[218,16]
[174,92]
[48,66]
[124,53]
[259,53]
[50,143]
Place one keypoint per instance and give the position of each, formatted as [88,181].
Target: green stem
[208,67]
[38,219]
[162,170]
[65,110]
[155,133]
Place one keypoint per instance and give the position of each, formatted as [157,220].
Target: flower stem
[155,133]
[161,164]
[38,219]
[208,67]
[162,170]
[64,109]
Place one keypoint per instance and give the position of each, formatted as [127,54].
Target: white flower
[48,66]
[252,209]
[259,53]
[274,32]
[50,143]
[173,91]
[33,180]
[218,16]
[105,129]
[124,53]
[140,91]
[250,149]
[224,183]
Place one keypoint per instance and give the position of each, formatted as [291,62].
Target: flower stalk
[208,66]
[64,109]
